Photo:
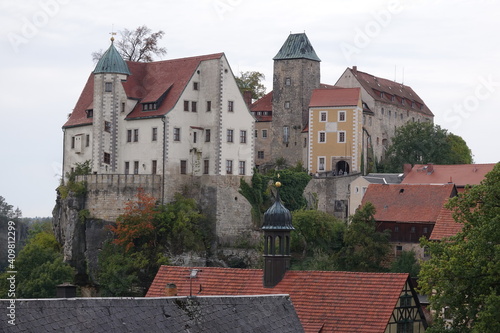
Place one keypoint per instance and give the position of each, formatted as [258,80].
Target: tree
[463,274]
[422,143]
[40,268]
[317,236]
[365,248]
[251,81]
[137,45]
[7,211]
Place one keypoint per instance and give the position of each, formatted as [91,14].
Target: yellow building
[335,131]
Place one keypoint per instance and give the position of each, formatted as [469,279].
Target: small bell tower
[277,226]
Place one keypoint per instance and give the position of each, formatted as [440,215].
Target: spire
[277,217]
[111,62]
[297,46]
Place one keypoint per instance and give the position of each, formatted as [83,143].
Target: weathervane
[112,33]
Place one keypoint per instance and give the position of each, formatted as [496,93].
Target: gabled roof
[111,62]
[445,226]
[297,46]
[160,81]
[384,90]
[263,104]
[460,174]
[408,203]
[171,314]
[335,97]
[328,300]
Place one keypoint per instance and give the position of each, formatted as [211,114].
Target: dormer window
[90,113]
[149,106]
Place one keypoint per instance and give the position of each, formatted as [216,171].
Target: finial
[278,184]
[112,33]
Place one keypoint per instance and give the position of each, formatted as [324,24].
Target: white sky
[447,51]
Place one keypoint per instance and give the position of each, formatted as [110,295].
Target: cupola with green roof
[111,62]
[297,46]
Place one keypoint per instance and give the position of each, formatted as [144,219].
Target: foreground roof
[170,314]
[408,202]
[335,97]
[325,301]
[148,82]
[459,174]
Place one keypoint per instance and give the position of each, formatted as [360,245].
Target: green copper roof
[277,217]
[297,46]
[111,62]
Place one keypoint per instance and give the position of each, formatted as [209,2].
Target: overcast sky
[447,51]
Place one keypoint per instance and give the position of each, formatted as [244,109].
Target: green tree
[137,45]
[317,236]
[257,194]
[406,263]
[7,212]
[40,268]
[422,143]
[463,274]
[251,81]
[293,184]
[365,248]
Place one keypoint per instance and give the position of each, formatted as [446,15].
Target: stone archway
[342,167]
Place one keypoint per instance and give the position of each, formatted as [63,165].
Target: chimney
[66,290]
[430,168]
[406,169]
[171,289]
[247,97]
[355,69]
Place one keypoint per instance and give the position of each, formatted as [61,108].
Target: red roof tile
[335,97]
[263,104]
[445,226]
[147,83]
[335,301]
[376,85]
[460,174]
[408,202]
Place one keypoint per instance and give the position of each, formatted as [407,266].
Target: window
[241,167]
[129,135]
[193,107]
[229,167]
[87,140]
[108,86]
[153,167]
[90,113]
[136,135]
[243,136]
[207,135]
[260,154]
[195,137]
[209,106]
[107,158]
[186,105]
[183,167]
[154,134]
[286,134]
[136,167]
[287,104]
[72,142]
[195,85]
[230,106]
[123,107]
[256,133]
[229,135]
[321,137]
[206,167]
[177,134]
[288,81]
[322,116]
[321,163]
[382,111]
[341,136]
[341,115]
[148,106]
[425,230]
[412,230]
[396,229]
[107,126]
[127,168]
[405,327]
[405,301]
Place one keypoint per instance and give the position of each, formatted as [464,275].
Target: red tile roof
[334,301]
[376,85]
[148,83]
[409,203]
[445,226]
[335,97]
[460,174]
